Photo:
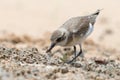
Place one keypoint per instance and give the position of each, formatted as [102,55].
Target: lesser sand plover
[73,32]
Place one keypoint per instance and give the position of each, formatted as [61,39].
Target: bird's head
[58,38]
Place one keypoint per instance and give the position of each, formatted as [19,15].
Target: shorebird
[73,32]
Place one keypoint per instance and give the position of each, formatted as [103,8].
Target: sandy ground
[25,58]
[25,29]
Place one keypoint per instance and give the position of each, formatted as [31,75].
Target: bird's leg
[76,55]
[80,50]
[75,50]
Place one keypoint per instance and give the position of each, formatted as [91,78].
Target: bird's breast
[74,40]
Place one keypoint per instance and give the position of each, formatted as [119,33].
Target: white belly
[76,41]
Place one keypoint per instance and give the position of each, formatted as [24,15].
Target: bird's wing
[77,24]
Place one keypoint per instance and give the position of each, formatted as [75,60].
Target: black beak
[50,48]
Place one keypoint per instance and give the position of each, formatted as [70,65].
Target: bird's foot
[71,61]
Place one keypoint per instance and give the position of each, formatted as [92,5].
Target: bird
[74,32]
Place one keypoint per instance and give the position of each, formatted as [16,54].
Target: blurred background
[36,17]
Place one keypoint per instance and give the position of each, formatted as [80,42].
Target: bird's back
[76,23]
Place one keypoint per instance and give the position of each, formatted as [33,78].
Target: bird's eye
[59,39]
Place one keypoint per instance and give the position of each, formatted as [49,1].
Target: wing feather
[75,24]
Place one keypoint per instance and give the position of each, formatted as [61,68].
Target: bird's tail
[97,12]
